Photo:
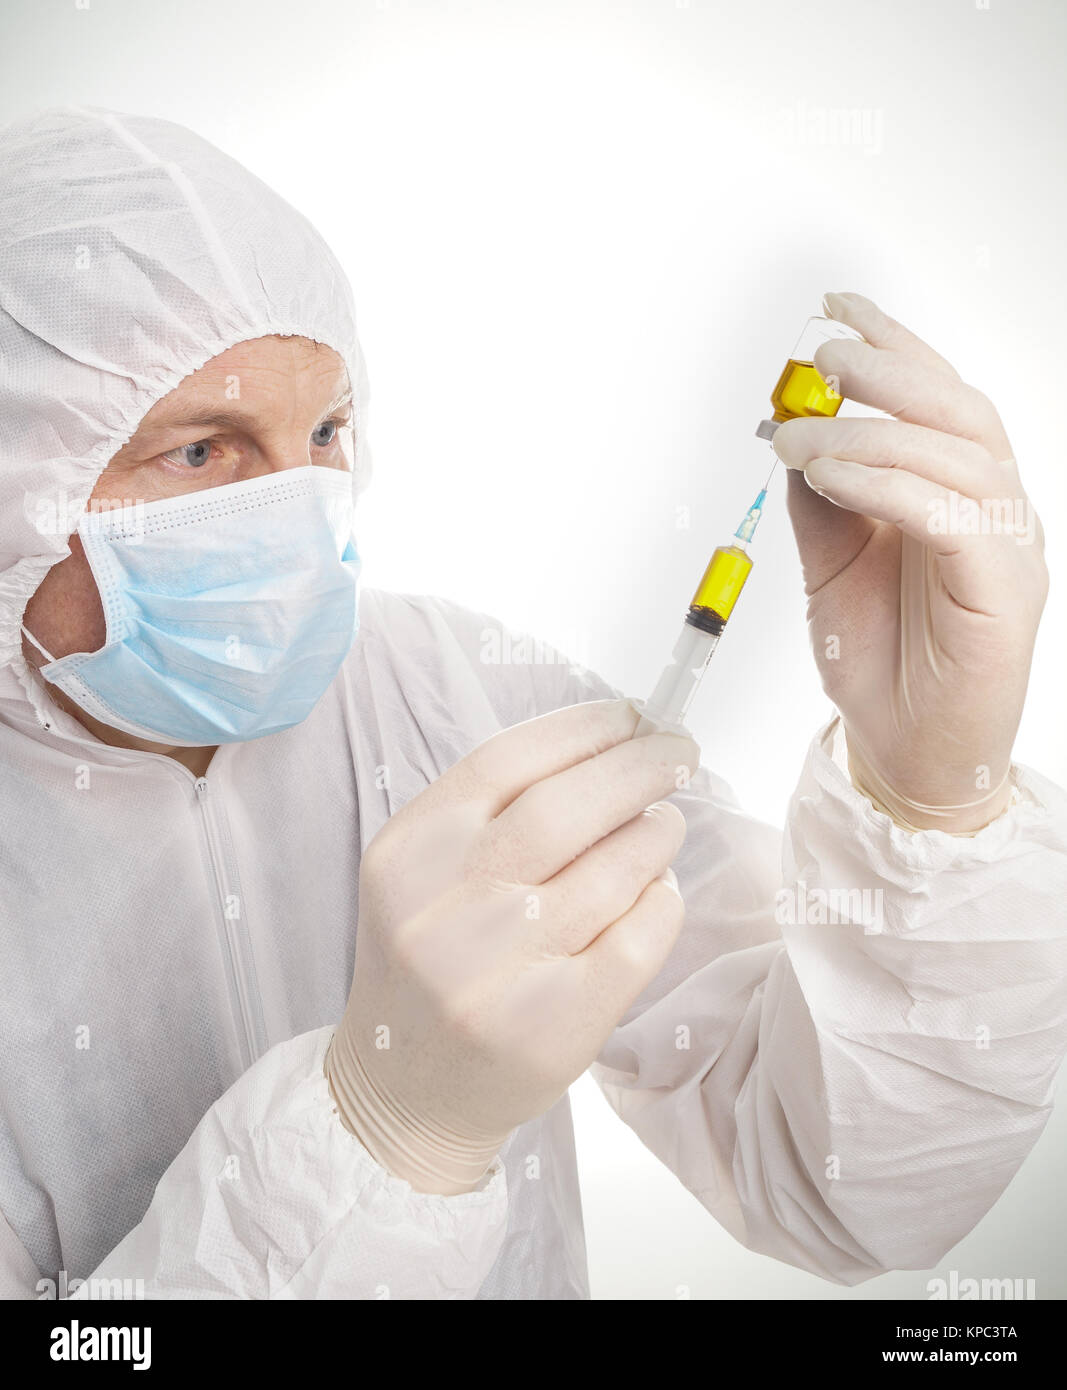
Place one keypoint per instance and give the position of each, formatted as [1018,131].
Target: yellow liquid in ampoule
[802,391]
[723,580]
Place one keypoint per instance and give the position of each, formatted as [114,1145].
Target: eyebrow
[225,419]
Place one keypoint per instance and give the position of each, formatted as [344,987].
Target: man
[211,1081]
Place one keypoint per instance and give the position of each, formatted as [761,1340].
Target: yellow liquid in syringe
[723,580]
[802,391]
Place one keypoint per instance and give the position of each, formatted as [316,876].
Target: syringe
[800,391]
[708,614]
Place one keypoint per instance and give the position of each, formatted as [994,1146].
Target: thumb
[827,536]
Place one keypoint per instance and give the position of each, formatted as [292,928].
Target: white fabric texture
[163,1114]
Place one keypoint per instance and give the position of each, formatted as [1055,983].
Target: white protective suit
[163,1112]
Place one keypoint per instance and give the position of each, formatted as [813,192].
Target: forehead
[273,372]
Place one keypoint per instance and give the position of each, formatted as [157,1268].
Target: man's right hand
[509,915]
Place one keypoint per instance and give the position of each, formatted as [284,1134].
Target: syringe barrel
[669,703]
[712,605]
[718,590]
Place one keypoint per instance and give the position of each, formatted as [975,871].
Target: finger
[912,390]
[626,957]
[602,884]
[828,537]
[556,819]
[497,771]
[977,569]
[955,463]
[880,330]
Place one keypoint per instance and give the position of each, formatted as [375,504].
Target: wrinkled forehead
[267,380]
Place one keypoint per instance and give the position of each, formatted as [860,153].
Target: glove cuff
[431,1158]
[916,815]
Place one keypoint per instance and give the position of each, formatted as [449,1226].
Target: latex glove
[923,639]
[509,915]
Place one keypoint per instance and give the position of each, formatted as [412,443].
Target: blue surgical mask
[229,611]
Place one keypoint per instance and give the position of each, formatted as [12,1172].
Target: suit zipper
[237,947]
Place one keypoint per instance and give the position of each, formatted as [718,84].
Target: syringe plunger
[669,703]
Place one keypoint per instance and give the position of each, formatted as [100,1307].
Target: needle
[770,475]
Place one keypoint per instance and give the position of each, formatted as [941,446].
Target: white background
[583,238]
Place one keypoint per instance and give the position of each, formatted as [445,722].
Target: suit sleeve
[272,1198]
[853,1045]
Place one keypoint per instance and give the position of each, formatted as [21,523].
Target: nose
[298,448]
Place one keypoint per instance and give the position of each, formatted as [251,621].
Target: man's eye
[324,434]
[192,455]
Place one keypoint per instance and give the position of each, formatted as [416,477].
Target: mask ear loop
[30,638]
[33,683]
